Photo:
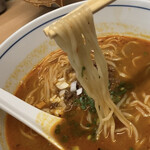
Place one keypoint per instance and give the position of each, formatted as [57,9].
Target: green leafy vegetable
[85,102]
[119,91]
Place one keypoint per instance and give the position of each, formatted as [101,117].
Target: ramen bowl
[29,45]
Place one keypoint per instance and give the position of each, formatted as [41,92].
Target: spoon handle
[16,107]
[39,121]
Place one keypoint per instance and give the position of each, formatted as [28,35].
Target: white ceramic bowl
[26,47]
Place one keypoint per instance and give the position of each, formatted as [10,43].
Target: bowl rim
[31,26]
[35,24]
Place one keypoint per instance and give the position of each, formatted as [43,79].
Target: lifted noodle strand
[76,35]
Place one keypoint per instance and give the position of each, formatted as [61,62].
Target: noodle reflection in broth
[105,100]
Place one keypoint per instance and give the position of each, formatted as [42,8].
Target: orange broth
[75,135]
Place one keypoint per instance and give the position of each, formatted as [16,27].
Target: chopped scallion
[89,137]
[75,148]
[85,102]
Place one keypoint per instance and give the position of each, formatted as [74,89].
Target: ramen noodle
[128,68]
[100,88]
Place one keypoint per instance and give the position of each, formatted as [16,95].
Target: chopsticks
[94,5]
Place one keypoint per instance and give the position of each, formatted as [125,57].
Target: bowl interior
[26,47]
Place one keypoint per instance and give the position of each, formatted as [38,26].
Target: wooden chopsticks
[96,5]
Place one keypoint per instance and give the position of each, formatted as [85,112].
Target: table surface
[18,13]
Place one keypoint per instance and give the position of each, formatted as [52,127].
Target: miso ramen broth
[52,86]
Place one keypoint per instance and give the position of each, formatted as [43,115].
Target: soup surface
[52,86]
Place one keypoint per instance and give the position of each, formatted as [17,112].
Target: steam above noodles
[76,35]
